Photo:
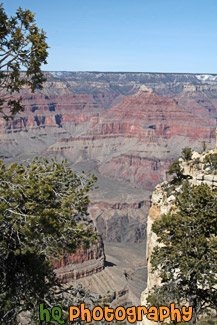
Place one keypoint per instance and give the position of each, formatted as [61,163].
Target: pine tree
[23,47]
[187,258]
[187,153]
[43,214]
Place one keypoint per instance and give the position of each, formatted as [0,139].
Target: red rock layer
[148,115]
[120,206]
[54,111]
[142,171]
[136,129]
[200,100]
[82,263]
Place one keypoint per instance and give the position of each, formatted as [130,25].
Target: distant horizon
[148,72]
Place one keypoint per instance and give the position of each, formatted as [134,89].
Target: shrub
[186,154]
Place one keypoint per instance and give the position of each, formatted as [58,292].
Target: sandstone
[83,262]
[200,177]
[162,204]
[195,155]
[208,178]
[171,199]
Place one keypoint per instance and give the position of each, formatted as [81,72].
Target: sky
[127,35]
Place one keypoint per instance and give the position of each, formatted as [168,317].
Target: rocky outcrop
[120,222]
[141,171]
[149,116]
[45,111]
[66,95]
[135,140]
[82,263]
[162,203]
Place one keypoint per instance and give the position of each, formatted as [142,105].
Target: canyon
[123,127]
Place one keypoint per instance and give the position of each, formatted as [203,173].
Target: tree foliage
[43,214]
[210,161]
[204,146]
[187,258]
[187,153]
[22,47]
[175,168]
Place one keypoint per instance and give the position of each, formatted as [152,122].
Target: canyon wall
[82,263]
[163,203]
[123,127]
[120,222]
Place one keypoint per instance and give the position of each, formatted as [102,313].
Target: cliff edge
[163,202]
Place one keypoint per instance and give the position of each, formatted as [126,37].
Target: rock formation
[82,263]
[120,222]
[124,127]
[162,203]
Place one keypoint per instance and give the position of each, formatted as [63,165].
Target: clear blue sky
[127,35]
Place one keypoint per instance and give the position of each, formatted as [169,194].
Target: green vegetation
[204,146]
[175,168]
[22,47]
[186,154]
[196,161]
[43,214]
[187,258]
[211,161]
[43,205]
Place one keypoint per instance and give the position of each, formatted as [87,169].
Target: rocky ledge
[82,263]
[163,201]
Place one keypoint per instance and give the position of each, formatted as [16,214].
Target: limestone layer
[162,203]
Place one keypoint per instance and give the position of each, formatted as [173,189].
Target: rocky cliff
[120,222]
[162,203]
[82,263]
